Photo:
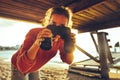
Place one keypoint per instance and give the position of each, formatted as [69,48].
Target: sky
[113,35]
[12,32]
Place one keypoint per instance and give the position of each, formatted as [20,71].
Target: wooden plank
[87,69]
[102,9]
[22,6]
[34,3]
[106,23]
[113,5]
[88,62]
[102,17]
[65,2]
[16,9]
[22,14]
[57,2]
[79,5]
[77,76]
[80,17]
[86,16]
[84,73]
[110,23]
[78,20]
[46,2]
[11,9]
[90,18]
[76,23]
[97,15]
[11,16]
[118,1]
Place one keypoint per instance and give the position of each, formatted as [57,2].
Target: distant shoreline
[10,50]
[9,47]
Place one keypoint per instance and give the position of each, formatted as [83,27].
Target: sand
[54,72]
[5,71]
[48,72]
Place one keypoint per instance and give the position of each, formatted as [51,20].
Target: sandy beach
[5,71]
[47,72]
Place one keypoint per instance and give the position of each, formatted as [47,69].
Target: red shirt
[25,65]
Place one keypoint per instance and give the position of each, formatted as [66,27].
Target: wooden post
[102,45]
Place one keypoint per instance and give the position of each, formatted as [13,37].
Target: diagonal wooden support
[86,53]
[96,46]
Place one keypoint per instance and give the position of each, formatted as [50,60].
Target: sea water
[6,56]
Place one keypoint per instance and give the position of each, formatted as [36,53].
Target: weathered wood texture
[89,15]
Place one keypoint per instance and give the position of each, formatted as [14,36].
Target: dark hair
[58,10]
[61,11]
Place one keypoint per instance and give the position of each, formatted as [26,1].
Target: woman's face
[59,20]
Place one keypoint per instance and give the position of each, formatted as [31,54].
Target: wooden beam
[6,6]
[93,39]
[87,69]
[78,5]
[111,23]
[22,18]
[85,74]
[86,53]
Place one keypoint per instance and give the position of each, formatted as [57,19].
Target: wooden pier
[96,68]
[90,70]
